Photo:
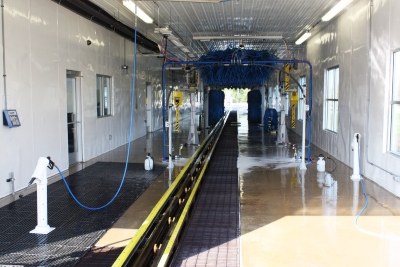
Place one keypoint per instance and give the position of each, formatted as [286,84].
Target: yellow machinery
[294,98]
[178,98]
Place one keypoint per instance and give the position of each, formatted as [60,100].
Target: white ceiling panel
[245,18]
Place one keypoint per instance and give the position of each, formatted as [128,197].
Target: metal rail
[156,239]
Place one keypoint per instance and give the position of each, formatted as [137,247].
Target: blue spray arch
[227,63]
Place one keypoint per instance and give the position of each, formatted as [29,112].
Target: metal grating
[211,237]
[77,229]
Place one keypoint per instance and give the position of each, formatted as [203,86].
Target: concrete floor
[290,217]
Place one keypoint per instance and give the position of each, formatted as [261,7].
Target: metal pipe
[170,164]
[4,54]
[303,138]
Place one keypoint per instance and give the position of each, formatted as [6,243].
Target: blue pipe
[227,63]
[164,97]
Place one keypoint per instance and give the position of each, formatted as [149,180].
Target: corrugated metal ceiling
[288,18]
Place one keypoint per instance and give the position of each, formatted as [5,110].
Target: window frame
[394,102]
[331,100]
[104,96]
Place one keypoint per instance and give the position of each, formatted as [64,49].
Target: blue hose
[129,141]
[365,206]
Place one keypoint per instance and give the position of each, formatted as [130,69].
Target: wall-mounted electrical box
[294,98]
[10,118]
[178,98]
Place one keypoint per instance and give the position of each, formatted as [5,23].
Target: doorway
[74,117]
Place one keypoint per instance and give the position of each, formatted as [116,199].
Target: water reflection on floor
[293,217]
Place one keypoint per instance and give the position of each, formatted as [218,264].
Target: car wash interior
[200,133]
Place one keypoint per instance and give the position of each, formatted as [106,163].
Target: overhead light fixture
[185,49]
[177,42]
[208,38]
[336,9]
[193,1]
[137,11]
[303,38]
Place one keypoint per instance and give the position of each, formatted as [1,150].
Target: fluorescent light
[184,49]
[177,42]
[336,9]
[137,11]
[304,37]
[193,1]
[207,38]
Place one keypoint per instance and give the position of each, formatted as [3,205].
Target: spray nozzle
[30,183]
[51,163]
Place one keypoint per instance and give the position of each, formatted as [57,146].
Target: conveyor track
[157,239]
[211,235]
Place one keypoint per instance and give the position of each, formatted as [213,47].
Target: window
[395,106]
[331,105]
[103,95]
[300,104]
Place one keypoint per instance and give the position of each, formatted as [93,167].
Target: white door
[74,126]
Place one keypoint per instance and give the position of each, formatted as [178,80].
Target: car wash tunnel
[199,133]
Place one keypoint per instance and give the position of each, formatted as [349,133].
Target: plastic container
[148,163]
[321,164]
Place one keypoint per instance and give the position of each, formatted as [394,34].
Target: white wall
[361,45]
[42,41]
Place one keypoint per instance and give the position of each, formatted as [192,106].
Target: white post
[170,177]
[205,106]
[193,137]
[303,135]
[170,164]
[282,132]
[40,176]
[356,159]
[356,189]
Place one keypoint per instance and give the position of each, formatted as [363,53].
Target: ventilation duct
[94,13]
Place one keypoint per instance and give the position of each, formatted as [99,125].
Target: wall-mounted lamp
[336,9]
[137,11]
[303,38]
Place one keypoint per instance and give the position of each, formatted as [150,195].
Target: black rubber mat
[77,229]
[211,237]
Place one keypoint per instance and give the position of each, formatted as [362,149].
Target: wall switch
[396,178]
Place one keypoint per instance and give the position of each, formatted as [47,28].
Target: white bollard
[40,178]
[303,137]
[356,157]
[170,164]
